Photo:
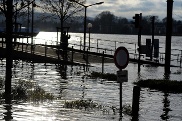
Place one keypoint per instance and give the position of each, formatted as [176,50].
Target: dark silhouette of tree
[104,22]
[60,9]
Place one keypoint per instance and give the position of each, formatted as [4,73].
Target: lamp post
[85,17]
[89,27]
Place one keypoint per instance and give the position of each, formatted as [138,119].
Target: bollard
[135,103]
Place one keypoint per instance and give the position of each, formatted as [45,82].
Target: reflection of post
[8,114]
[32,71]
[62,69]
[65,45]
[166,108]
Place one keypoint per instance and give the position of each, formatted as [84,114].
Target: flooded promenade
[72,83]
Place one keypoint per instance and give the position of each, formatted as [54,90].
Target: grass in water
[162,85]
[89,104]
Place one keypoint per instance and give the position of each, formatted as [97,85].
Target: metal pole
[9,51]
[153,20]
[168,37]
[85,22]
[89,38]
[32,25]
[28,19]
[121,107]
[139,42]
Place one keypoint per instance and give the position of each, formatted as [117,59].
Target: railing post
[180,58]
[72,55]
[45,49]
[80,44]
[2,42]
[87,60]
[58,52]
[97,45]
[102,62]
[115,45]
[22,45]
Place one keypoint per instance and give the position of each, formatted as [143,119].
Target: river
[73,84]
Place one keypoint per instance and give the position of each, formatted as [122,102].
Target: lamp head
[89,25]
[99,3]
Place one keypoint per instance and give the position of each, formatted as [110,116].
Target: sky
[128,8]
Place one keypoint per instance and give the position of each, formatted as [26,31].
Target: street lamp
[85,18]
[89,27]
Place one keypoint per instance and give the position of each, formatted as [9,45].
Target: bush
[162,85]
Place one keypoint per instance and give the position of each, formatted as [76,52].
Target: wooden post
[102,62]
[135,103]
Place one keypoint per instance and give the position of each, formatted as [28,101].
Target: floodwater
[72,84]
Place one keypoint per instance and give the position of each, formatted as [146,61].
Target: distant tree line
[108,23]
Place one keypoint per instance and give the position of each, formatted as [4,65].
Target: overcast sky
[128,8]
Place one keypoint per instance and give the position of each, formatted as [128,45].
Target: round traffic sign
[121,57]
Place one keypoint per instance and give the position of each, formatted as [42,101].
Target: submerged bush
[28,91]
[108,76]
[162,85]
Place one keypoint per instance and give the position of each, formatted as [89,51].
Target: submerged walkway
[48,54]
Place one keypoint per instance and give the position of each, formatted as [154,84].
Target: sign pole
[121,59]
[121,108]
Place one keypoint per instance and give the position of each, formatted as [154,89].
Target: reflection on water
[68,83]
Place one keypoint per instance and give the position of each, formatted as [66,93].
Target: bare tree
[60,9]
[10,8]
